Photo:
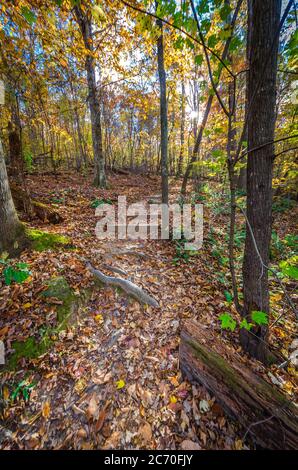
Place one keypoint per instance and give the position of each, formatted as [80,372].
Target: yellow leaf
[27,305]
[120,384]
[46,410]
[98,318]
[238,444]
[173,399]
[5,393]
[80,385]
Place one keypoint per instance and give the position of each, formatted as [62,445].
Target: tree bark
[11,229]
[163,113]
[84,22]
[263,25]
[263,411]
[182,130]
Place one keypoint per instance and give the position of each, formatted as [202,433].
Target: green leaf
[179,43]
[228,296]
[199,59]
[288,269]
[227,322]
[244,324]
[259,317]
[29,15]
[212,40]
[224,12]
[8,275]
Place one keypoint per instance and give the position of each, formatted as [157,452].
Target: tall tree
[84,21]
[163,112]
[182,129]
[263,24]
[11,229]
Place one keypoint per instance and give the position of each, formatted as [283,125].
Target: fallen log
[264,412]
[41,210]
[129,287]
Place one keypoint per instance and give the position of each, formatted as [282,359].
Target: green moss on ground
[41,241]
[58,288]
[29,349]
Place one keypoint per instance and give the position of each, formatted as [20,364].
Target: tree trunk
[263,26]
[263,411]
[84,21]
[11,230]
[163,114]
[208,106]
[182,130]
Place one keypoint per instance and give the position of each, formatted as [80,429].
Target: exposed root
[128,286]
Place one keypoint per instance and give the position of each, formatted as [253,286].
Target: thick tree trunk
[264,20]
[163,114]
[94,103]
[263,411]
[11,230]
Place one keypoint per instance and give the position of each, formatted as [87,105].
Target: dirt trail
[114,381]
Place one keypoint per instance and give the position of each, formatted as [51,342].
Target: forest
[179,117]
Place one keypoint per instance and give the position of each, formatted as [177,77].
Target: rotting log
[41,210]
[264,412]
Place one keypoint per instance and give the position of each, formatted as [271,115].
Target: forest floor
[112,380]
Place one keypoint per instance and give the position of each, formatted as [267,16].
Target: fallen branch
[129,287]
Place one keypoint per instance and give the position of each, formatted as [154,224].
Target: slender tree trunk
[11,229]
[84,21]
[182,130]
[163,114]
[242,177]
[208,107]
[264,17]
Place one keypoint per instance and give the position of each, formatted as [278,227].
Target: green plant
[181,253]
[282,204]
[289,267]
[22,390]
[98,202]
[28,158]
[229,323]
[17,272]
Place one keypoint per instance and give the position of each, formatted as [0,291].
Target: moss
[231,377]
[41,241]
[59,288]
[29,349]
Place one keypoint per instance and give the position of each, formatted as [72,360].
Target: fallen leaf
[120,384]
[204,406]
[145,432]
[46,410]
[92,410]
[190,445]
[238,444]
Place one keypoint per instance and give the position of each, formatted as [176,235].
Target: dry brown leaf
[190,445]
[92,410]
[145,432]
